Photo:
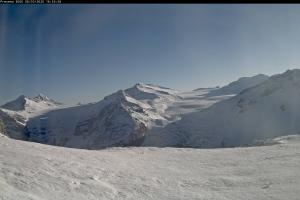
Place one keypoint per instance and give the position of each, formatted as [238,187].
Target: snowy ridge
[16,105]
[23,103]
[120,119]
[264,111]
[124,118]
[239,85]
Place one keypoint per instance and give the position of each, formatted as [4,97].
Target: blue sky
[83,52]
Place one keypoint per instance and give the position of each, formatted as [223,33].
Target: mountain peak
[254,76]
[22,102]
[140,84]
[17,104]
[295,70]
[292,74]
[117,96]
[21,97]
[41,97]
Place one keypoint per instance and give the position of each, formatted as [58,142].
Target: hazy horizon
[81,53]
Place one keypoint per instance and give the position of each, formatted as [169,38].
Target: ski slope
[32,171]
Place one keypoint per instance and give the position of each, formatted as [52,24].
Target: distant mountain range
[120,119]
[246,110]
[265,110]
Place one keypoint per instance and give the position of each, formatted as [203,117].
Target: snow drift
[31,171]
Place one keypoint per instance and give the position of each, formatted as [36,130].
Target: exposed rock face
[16,105]
[113,126]
[2,127]
[10,127]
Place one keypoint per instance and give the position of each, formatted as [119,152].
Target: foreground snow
[36,171]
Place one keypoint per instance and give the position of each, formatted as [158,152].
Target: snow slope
[31,171]
[120,119]
[239,85]
[264,111]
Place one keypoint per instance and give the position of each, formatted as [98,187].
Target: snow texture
[32,171]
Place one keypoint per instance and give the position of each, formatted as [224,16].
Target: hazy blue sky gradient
[82,53]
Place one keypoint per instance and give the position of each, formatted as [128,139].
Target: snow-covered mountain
[266,110]
[123,118]
[30,105]
[239,85]
[15,114]
[120,119]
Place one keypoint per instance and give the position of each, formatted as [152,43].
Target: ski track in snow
[41,172]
